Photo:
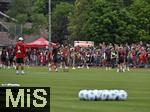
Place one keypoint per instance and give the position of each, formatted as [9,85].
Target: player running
[20,55]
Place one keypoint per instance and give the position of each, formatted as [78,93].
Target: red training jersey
[20,50]
[65,52]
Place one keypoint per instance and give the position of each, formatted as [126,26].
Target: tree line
[118,21]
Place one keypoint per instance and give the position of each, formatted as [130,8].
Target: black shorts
[3,59]
[126,59]
[55,59]
[121,60]
[19,60]
[87,61]
[11,59]
[64,59]
[108,60]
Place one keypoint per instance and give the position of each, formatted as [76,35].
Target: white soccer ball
[99,94]
[104,95]
[113,95]
[91,95]
[86,95]
[109,95]
[96,94]
[123,95]
[81,94]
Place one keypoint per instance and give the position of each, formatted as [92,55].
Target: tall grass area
[66,85]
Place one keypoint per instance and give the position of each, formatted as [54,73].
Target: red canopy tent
[39,43]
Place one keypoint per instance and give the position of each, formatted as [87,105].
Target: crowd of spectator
[135,55]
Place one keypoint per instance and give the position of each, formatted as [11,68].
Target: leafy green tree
[60,21]
[141,10]
[78,19]
[110,21]
[21,9]
[39,22]
[24,11]
[97,20]
[41,6]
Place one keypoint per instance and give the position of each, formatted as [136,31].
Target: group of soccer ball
[103,95]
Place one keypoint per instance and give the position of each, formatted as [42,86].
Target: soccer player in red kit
[20,55]
[121,59]
[65,55]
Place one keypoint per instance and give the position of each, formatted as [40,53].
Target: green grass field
[66,85]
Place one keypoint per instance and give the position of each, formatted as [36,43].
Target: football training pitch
[66,85]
